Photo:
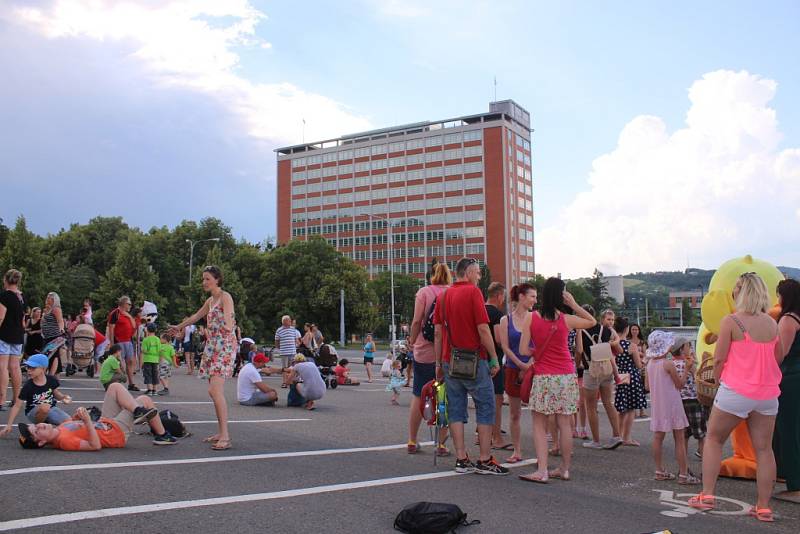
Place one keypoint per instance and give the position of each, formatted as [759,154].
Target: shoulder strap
[793,316]
[442,296]
[739,324]
[547,340]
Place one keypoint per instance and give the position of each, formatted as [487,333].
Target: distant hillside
[791,272]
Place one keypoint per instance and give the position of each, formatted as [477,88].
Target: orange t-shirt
[340,371]
[71,433]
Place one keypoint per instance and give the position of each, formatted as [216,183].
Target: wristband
[494,363]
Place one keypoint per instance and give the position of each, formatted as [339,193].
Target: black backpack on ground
[428,328]
[431,518]
[173,424]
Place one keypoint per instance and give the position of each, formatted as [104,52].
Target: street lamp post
[191,253]
[391,267]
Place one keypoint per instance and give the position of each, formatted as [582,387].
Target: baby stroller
[327,358]
[82,350]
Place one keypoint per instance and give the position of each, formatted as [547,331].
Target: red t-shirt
[465,311]
[340,371]
[98,338]
[71,433]
[123,329]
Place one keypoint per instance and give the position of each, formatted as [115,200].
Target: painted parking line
[214,421]
[202,460]
[233,499]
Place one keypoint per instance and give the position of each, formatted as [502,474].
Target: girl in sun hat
[665,384]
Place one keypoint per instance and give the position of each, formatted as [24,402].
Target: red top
[71,433]
[340,371]
[98,338]
[555,359]
[465,311]
[123,329]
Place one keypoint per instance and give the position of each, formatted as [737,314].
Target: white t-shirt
[187,333]
[246,384]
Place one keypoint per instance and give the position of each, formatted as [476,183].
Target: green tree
[3,234]
[596,286]
[485,281]
[131,275]
[93,244]
[405,289]
[23,251]
[582,296]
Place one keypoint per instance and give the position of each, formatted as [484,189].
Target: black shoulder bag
[463,362]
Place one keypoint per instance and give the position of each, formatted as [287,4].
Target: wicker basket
[706,385]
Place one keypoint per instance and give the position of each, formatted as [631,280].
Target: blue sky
[180,104]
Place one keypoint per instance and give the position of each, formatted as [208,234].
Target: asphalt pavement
[340,468]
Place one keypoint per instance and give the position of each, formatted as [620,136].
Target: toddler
[665,384]
[343,374]
[167,360]
[396,381]
[697,414]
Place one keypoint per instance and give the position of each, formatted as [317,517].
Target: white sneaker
[615,442]
[592,445]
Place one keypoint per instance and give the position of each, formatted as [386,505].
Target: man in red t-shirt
[461,321]
[119,414]
[121,329]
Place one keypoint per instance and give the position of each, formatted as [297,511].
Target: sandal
[211,439]
[506,447]
[221,445]
[664,475]
[558,474]
[631,443]
[535,477]
[762,514]
[688,480]
[701,501]
[514,459]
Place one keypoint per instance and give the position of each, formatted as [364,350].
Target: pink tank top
[751,369]
[555,359]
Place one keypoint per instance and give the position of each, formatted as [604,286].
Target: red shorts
[511,385]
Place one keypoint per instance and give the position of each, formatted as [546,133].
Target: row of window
[397,204]
[381,209]
[379,189]
[523,218]
[399,146]
[380,164]
[523,234]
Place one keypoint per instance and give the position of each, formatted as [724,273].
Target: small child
[396,381]
[386,366]
[151,348]
[697,414]
[665,384]
[110,370]
[39,393]
[167,361]
[343,374]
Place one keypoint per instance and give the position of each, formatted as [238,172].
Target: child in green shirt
[110,371]
[168,360]
[151,348]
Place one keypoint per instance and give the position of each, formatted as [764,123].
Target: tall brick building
[451,188]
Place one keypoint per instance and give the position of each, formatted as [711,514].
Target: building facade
[431,190]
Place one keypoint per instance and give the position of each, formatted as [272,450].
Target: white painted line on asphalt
[642,420]
[217,501]
[204,460]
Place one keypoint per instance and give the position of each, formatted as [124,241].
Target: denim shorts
[481,389]
[423,373]
[11,349]
[127,350]
[55,416]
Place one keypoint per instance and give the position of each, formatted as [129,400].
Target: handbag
[527,380]
[463,362]
[600,367]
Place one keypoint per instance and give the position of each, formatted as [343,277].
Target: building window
[361,152]
[474,231]
[412,144]
[449,139]
[473,135]
[378,149]
[470,151]
[299,162]
[345,154]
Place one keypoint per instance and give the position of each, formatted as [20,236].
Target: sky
[666,135]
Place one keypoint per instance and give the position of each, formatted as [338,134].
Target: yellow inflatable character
[716,305]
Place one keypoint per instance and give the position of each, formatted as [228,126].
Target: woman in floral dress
[220,350]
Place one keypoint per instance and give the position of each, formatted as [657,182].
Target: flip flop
[211,439]
[506,447]
[631,443]
[534,477]
[762,514]
[557,474]
[226,445]
[514,459]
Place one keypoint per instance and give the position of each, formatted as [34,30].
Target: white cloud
[717,188]
[193,44]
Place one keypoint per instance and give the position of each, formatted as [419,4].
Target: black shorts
[499,382]
[150,372]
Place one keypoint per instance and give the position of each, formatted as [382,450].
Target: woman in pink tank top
[746,365]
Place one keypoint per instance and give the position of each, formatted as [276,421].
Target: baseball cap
[260,358]
[37,360]
[678,344]
[26,438]
[151,327]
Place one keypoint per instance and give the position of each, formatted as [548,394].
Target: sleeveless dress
[667,411]
[220,351]
[35,340]
[786,441]
[629,396]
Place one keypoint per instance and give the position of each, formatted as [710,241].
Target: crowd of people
[542,352]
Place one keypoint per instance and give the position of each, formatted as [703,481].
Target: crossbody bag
[463,362]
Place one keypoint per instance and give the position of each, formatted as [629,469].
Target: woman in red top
[555,384]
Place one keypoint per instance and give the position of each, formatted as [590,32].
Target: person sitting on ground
[250,389]
[119,414]
[40,394]
[306,382]
[343,374]
[111,369]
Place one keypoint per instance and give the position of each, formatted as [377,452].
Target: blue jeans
[55,416]
[481,389]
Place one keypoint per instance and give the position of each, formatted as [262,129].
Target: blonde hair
[441,275]
[56,299]
[13,277]
[298,358]
[753,294]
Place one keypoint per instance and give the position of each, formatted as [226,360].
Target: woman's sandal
[211,439]
[701,501]
[558,474]
[664,475]
[762,514]
[221,445]
[631,443]
[534,477]
[688,480]
[514,459]
[554,452]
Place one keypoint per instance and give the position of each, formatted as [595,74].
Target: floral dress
[220,351]
[629,396]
